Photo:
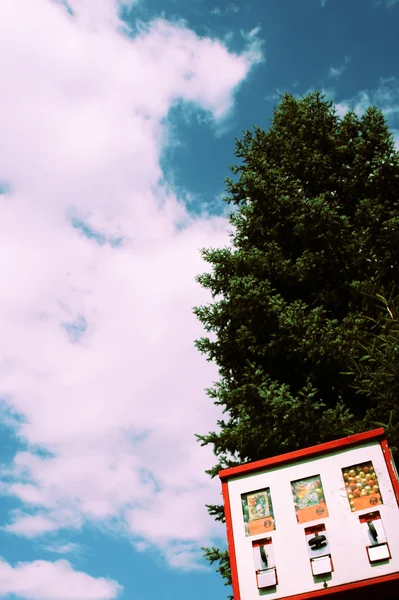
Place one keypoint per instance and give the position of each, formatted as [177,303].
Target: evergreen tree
[376,371]
[315,232]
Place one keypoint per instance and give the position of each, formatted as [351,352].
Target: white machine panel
[322,521]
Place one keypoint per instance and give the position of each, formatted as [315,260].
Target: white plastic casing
[321,565]
[267,579]
[346,535]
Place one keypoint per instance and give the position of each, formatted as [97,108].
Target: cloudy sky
[117,126]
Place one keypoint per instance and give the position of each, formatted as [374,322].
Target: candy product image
[257,511]
[361,486]
[310,503]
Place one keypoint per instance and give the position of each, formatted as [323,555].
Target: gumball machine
[319,521]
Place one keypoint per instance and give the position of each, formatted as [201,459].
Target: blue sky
[117,127]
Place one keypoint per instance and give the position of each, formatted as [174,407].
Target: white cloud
[83,124]
[43,580]
[230,8]
[388,3]
[233,8]
[68,548]
[31,525]
[43,521]
[395,133]
[336,72]
[385,97]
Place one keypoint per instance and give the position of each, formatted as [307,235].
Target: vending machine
[319,521]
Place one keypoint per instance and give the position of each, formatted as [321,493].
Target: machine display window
[310,503]
[361,485]
[257,509]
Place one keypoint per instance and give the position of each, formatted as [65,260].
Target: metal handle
[373,531]
[317,542]
[263,555]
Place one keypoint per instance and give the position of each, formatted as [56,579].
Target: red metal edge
[391,469]
[347,587]
[352,440]
[230,541]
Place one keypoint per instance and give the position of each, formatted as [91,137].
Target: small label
[321,565]
[377,553]
[267,579]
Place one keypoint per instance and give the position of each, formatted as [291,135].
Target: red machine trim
[391,469]
[347,587]
[230,541]
[352,440]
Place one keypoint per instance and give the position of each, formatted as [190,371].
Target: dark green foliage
[315,239]
[376,371]
[221,556]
